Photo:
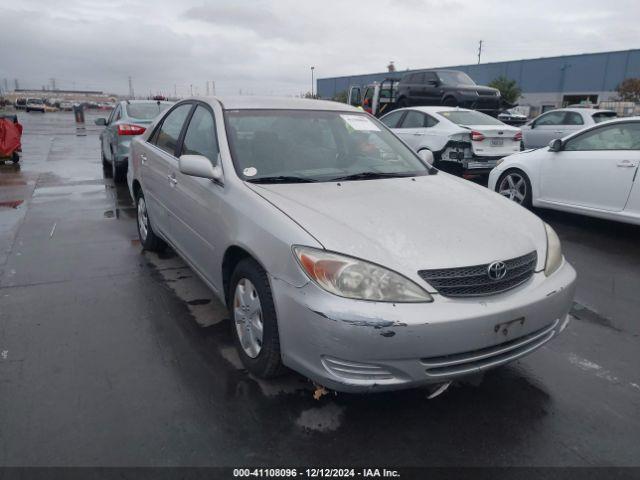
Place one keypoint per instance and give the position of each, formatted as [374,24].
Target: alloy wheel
[143,219]
[247,315]
[514,187]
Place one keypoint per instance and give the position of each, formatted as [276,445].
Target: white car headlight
[352,278]
[554,251]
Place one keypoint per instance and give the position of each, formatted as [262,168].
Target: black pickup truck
[450,88]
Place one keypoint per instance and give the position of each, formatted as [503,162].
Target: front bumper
[359,346]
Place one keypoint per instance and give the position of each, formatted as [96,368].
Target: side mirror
[100,121]
[426,156]
[199,166]
[555,145]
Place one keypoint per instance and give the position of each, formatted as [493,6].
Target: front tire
[515,185]
[148,239]
[255,324]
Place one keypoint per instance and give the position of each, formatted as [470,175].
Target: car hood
[435,221]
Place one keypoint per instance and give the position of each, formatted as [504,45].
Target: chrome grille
[475,281]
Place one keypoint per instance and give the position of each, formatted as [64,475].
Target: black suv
[450,88]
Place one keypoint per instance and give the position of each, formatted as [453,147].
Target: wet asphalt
[110,356]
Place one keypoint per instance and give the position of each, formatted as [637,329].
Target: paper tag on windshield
[360,123]
[250,172]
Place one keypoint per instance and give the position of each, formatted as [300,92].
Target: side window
[430,77]
[429,121]
[625,136]
[413,120]
[167,135]
[200,138]
[392,119]
[573,118]
[118,114]
[551,118]
[418,78]
[112,115]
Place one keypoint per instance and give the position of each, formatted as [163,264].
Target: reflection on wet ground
[113,356]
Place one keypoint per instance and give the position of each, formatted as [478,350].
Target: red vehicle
[10,138]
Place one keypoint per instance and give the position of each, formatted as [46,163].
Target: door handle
[143,158]
[626,164]
[558,131]
[172,179]
[418,134]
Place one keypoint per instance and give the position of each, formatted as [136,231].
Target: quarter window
[392,119]
[625,136]
[167,135]
[200,138]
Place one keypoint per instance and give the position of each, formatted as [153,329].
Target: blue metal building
[545,82]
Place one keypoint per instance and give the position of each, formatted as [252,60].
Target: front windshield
[470,117]
[146,111]
[455,78]
[318,146]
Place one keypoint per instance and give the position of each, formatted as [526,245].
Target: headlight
[554,251]
[352,278]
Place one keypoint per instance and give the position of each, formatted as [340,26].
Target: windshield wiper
[281,179]
[372,176]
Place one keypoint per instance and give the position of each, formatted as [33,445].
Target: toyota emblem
[497,270]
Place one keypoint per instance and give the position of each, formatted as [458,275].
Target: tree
[629,90]
[509,89]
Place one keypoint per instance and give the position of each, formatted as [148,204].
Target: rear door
[111,133]
[412,128]
[197,224]
[543,129]
[595,169]
[158,165]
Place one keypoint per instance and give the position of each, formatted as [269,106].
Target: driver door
[595,169]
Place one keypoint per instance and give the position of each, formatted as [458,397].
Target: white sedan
[462,141]
[593,172]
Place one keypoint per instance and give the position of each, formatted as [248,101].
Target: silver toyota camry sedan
[340,252]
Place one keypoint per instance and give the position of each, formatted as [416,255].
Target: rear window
[146,111]
[464,117]
[604,116]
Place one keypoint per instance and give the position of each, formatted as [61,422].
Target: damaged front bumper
[360,346]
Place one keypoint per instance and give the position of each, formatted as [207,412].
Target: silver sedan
[341,253]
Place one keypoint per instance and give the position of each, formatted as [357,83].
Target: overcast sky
[268,47]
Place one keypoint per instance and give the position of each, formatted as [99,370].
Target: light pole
[312,68]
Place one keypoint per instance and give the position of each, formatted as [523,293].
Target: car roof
[581,110]
[435,109]
[248,102]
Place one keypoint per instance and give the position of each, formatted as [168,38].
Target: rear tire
[148,239]
[15,158]
[255,333]
[515,185]
[450,102]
